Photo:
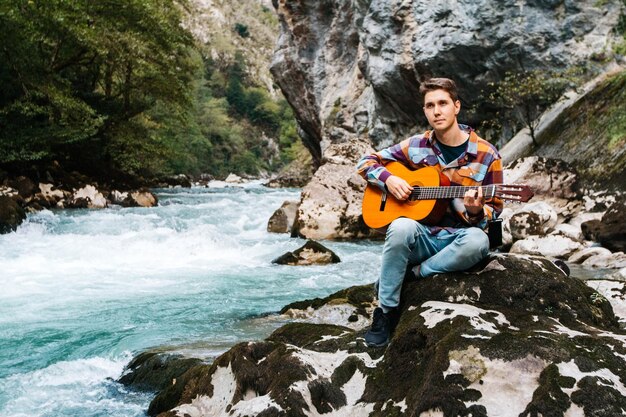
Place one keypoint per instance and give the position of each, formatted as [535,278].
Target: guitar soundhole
[415,195]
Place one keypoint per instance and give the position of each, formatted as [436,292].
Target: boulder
[581,255]
[143,198]
[11,214]
[518,338]
[49,195]
[331,202]
[121,198]
[156,371]
[568,230]
[546,177]
[283,218]
[88,197]
[536,218]
[351,307]
[309,254]
[233,178]
[610,232]
[611,261]
[554,246]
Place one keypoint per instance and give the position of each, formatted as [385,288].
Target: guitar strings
[434,193]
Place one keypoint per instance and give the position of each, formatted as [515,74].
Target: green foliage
[78,71]
[120,84]
[242,30]
[523,96]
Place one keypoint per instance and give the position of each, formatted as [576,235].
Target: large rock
[554,246]
[330,206]
[283,218]
[142,198]
[11,214]
[537,218]
[611,230]
[311,253]
[88,197]
[518,338]
[353,68]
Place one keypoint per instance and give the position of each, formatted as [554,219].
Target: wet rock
[155,371]
[142,198]
[180,180]
[50,196]
[233,178]
[282,220]
[516,338]
[570,231]
[351,307]
[11,214]
[555,246]
[309,254]
[88,197]
[160,372]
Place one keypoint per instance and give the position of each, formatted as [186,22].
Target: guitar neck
[454,191]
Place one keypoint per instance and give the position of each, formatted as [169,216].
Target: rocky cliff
[351,71]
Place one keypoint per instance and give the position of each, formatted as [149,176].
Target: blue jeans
[410,243]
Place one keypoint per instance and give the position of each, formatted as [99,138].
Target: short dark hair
[446,84]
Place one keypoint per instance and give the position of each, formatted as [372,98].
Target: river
[83,291]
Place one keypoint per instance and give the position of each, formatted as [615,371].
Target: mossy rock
[518,335]
[311,253]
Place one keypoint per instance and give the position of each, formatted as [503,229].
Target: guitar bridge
[383,201]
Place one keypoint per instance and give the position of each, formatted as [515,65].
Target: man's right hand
[398,187]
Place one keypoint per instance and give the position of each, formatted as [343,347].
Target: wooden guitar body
[380,209]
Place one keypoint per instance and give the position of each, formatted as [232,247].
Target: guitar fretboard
[435,193]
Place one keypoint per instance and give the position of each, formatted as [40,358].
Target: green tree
[81,75]
[523,96]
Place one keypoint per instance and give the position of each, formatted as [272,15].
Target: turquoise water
[85,290]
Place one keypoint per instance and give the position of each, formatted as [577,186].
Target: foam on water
[83,288]
[52,391]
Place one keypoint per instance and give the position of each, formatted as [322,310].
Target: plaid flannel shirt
[480,164]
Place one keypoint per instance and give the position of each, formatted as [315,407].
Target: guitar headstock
[515,192]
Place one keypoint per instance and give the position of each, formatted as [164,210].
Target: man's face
[440,110]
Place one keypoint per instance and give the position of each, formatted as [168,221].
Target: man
[459,240]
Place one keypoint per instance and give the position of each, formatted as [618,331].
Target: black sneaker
[383,325]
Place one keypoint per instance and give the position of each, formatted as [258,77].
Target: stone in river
[310,253]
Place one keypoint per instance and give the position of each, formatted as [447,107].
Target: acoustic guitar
[430,196]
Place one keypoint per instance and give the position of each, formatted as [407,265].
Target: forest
[122,87]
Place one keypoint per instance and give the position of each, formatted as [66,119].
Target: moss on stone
[358,296]
[306,334]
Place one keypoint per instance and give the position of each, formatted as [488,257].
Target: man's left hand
[474,202]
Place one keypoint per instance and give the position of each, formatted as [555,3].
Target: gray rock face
[517,338]
[351,69]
